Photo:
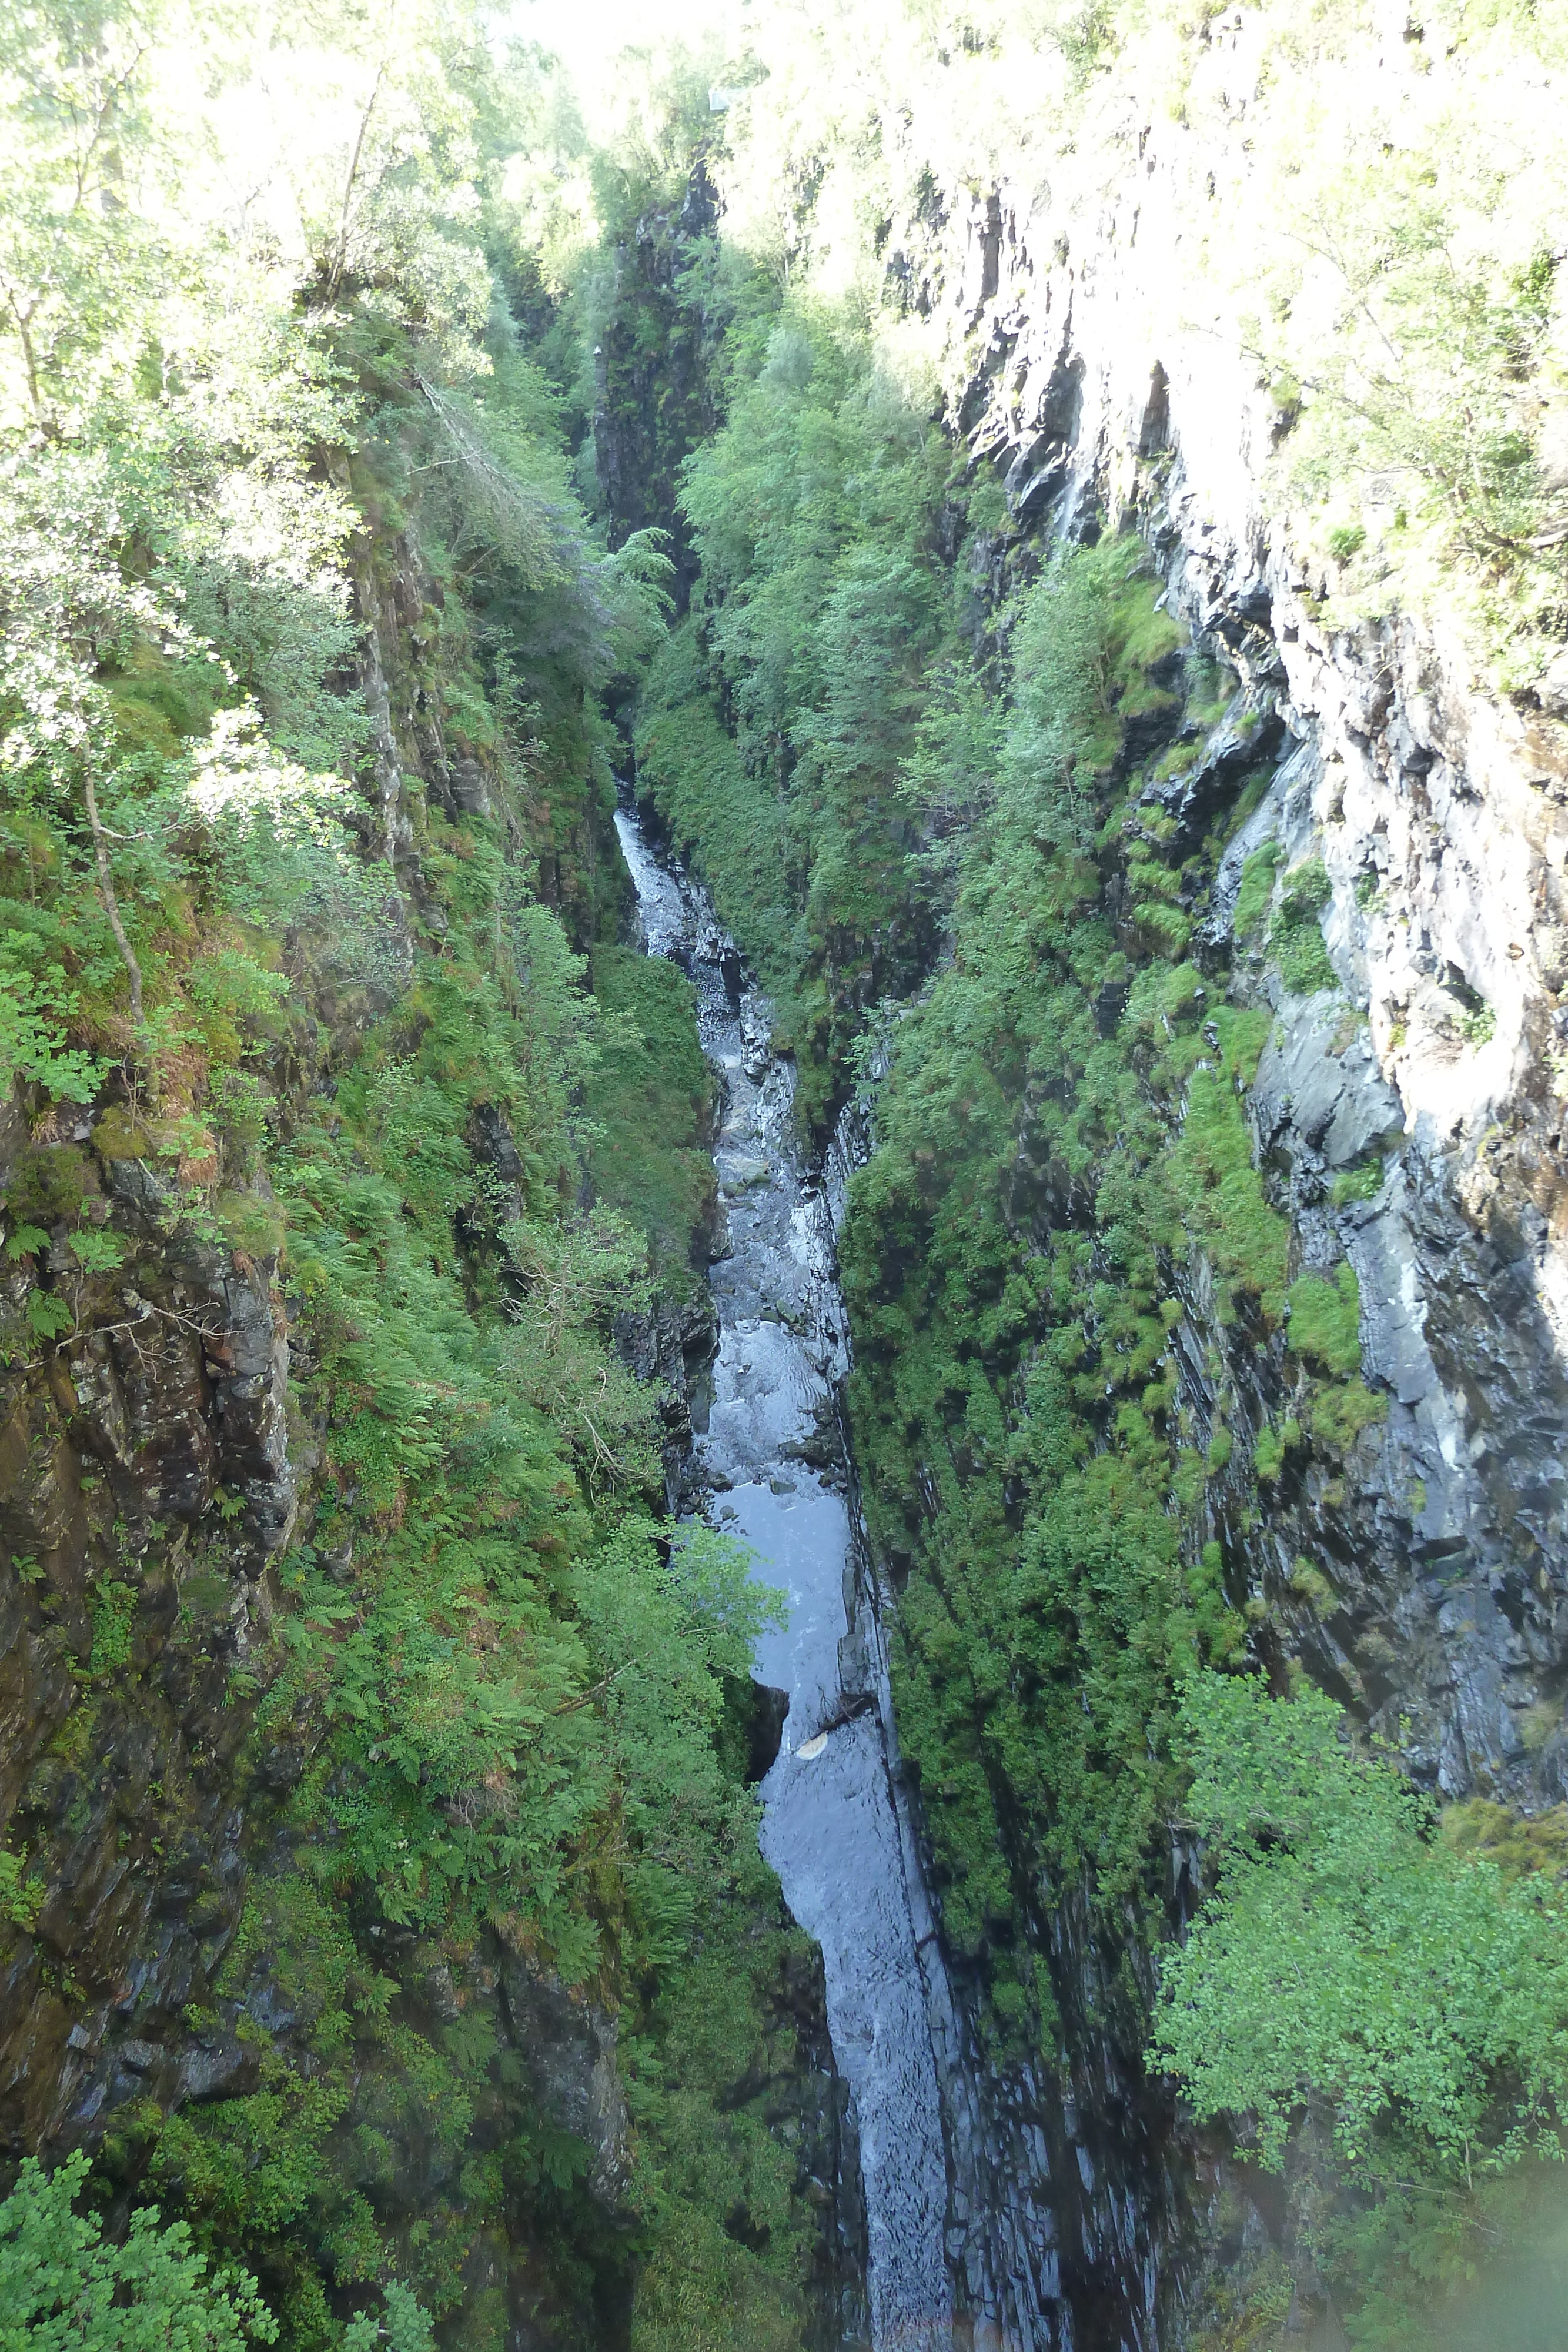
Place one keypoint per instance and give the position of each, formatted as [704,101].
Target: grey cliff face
[1435,1063]
[1407,1119]
[148,1483]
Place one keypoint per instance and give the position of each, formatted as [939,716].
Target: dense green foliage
[62,2287]
[309,902]
[775,722]
[1032,1201]
[311,655]
[907,780]
[650,1098]
[1367,2000]
[1348,1957]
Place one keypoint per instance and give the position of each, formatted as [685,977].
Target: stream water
[1011,2205]
[832,1827]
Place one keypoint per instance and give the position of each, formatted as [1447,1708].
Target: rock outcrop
[1438,815]
[148,1483]
[1408,1113]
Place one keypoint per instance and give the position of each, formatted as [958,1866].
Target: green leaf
[1346,1959]
[47,1315]
[63,2289]
[97,1252]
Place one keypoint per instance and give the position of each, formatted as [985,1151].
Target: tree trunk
[111,908]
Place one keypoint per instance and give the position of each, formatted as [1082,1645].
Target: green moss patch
[1325,1320]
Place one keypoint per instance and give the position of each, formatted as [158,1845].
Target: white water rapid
[831,1826]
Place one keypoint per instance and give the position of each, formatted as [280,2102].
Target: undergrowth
[317,994]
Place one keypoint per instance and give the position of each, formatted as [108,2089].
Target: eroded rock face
[1439,813]
[1408,1120]
[567,2045]
[1445,1529]
[145,1484]
[672,1343]
[1416,1564]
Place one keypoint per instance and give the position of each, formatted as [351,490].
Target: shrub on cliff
[64,2289]
[1345,1957]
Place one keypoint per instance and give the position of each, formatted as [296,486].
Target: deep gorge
[789,818]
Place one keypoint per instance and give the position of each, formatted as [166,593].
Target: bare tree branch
[111,906]
[340,257]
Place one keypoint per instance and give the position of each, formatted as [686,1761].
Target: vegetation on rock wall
[1064,1193]
[982,841]
[1364,238]
[61,2285]
[1350,1957]
[379,1893]
[1382,2011]
[775,720]
[1013,1257]
[476,2007]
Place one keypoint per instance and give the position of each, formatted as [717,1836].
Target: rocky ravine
[1437,1601]
[154,1464]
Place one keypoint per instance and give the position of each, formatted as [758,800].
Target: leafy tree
[64,2289]
[817,616]
[1347,1957]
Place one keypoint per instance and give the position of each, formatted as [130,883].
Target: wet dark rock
[671,1345]
[282,1767]
[470,790]
[759,1712]
[225,2069]
[1110,1004]
[492,1144]
[567,2045]
[823,1448]
[1246,740]
[114,1453]
[1319,1083]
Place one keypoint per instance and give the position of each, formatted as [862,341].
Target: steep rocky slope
[181,1937]
[1436,813]
[1406,1112]
[1327,886]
